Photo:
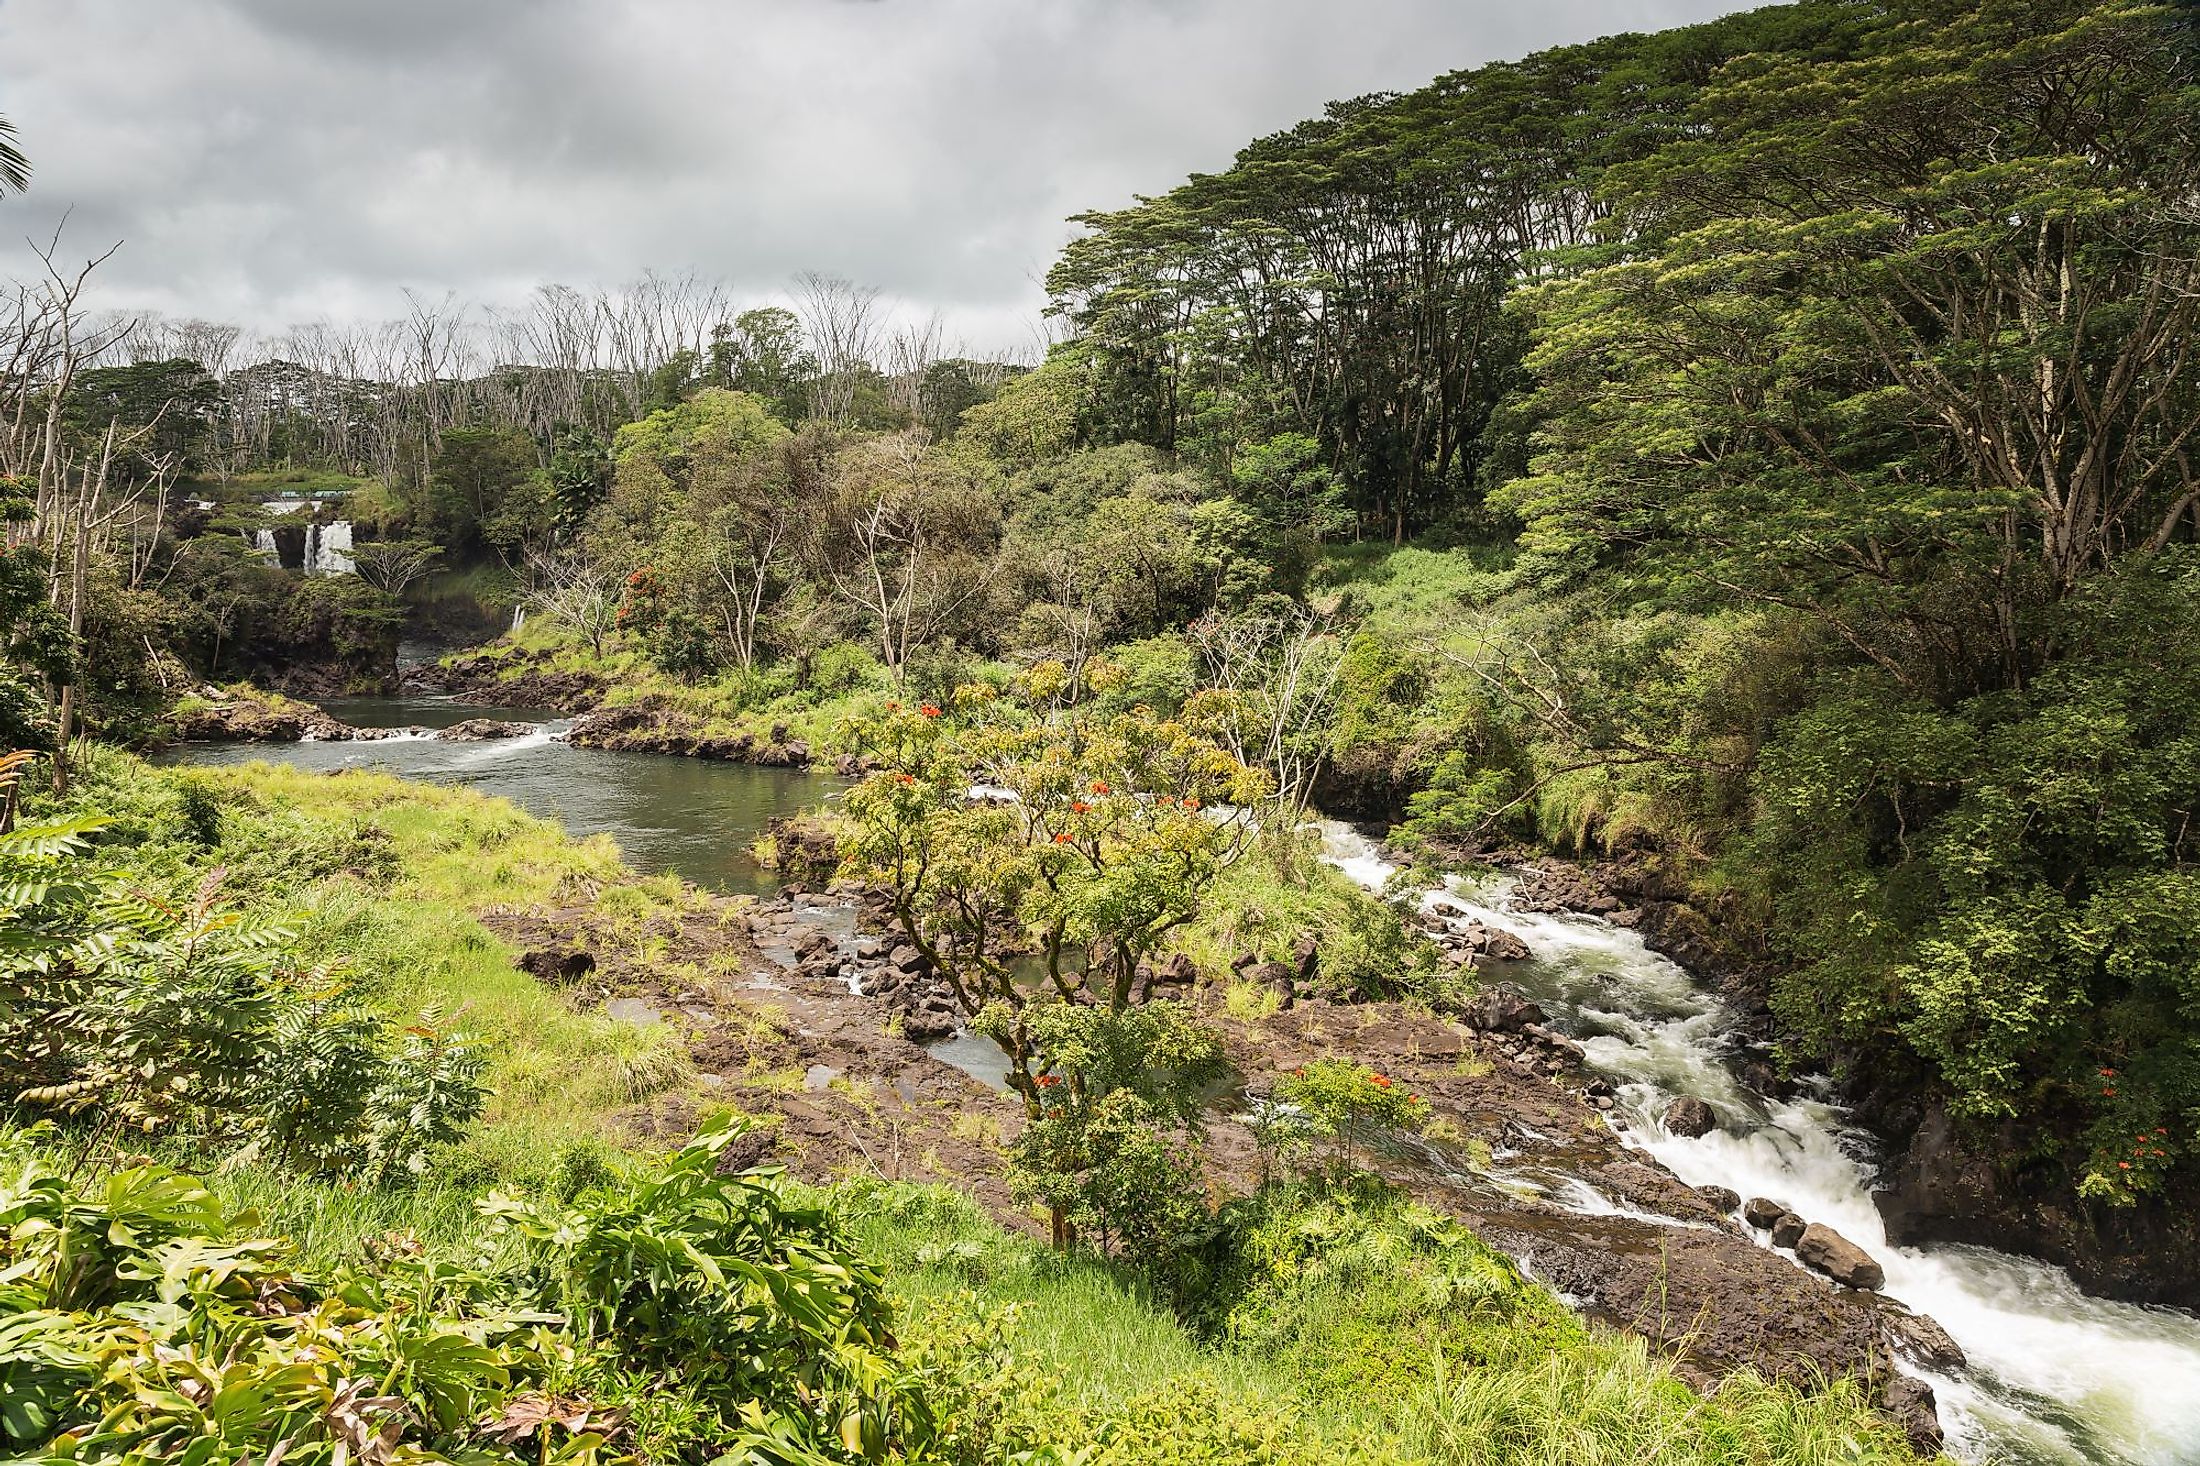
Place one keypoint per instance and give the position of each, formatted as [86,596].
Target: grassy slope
[1329,1349]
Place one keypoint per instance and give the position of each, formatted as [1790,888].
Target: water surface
[690,817]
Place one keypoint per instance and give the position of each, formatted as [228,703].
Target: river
[690,817]
[2054,1376]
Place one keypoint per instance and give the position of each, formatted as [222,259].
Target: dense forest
[1756,458]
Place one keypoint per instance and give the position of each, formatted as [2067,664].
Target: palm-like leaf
[15,169]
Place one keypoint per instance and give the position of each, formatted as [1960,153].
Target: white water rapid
[2054,1375]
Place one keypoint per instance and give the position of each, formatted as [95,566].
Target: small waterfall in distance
[328,548]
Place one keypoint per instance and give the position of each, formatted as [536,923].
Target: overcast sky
[272,161]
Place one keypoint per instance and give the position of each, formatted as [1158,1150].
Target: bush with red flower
[1332,1107]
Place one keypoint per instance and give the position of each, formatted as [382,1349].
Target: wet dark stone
[1829,1252]
[1690,1117]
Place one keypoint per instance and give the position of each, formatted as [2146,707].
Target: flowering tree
[1038,863]
[1095,840]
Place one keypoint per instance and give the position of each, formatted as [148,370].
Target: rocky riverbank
[215,715]
[806,1010]
[516,678]
[1942,1182]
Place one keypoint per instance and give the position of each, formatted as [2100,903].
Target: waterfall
[519,617]
[2054,1375]
[328,548]
[263,542]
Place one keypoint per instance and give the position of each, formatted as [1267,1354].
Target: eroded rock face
[1945,1187]
[1829,1252]
[1690,1117]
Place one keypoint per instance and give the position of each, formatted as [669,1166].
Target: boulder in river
[1788,1229]
[1760,1211]
[1502,1009]
[482,730]
[1493,942]
[1725,1198]
[1829,1252]
[1921,1338]
[1690,1117]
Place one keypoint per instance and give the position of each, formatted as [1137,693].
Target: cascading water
[263,540]
[328,548]
[2053,1375]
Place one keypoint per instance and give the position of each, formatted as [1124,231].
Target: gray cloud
[269,161]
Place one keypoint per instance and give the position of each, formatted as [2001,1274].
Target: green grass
[1354,1331]
[389,878]
[1320,1329]
[845,677]
[1279,891]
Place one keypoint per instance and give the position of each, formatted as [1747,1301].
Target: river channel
[2055,1375]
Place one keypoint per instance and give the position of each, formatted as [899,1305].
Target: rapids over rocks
[2053,1375]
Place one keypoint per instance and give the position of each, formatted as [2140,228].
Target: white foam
[2054,1374]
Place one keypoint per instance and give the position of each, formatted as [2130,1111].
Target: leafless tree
[1275,676]
[577,591]
[841,320]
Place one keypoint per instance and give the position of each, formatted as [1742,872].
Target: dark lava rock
[923,1026]
[1277,977]
[1724,1198]
[1493,942]
[1909,1403]
[483,730]
[1306,955]
[1502,1009]
[1787,1230]
[1760,1211]
[556,965]
[1176,973]
[1690,1117]
[1838,1258]
[1922,1339]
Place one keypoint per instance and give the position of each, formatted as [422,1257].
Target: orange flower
[1048,1081]
[2123,1165]
[1191,804]
[1080,806]
[1061,839]
[929,711]
[2108,1074]
[1381,1079]
[905,778]
[1098,787]
[893,707]
[2109,1092]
